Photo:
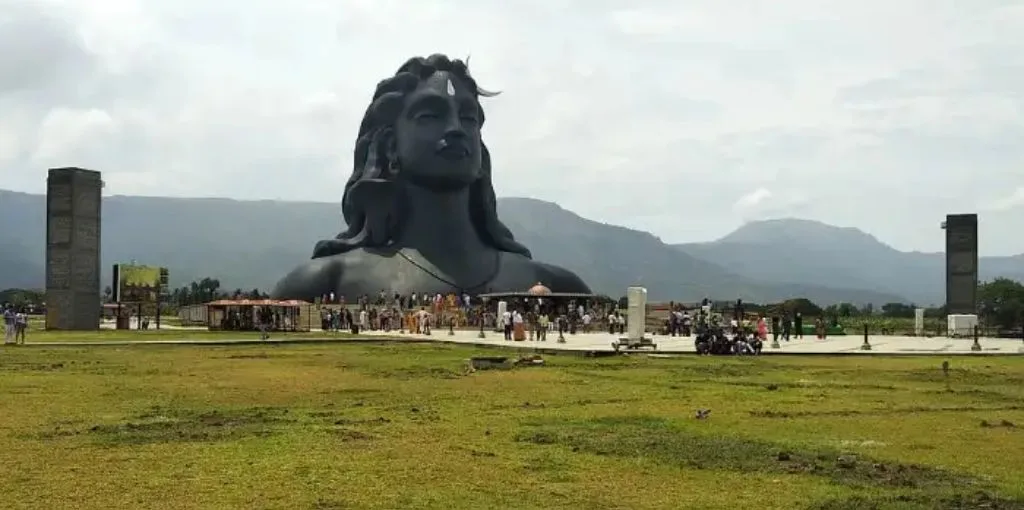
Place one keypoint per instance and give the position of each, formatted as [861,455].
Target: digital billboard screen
[137,284]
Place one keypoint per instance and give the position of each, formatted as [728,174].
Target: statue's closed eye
[427,116]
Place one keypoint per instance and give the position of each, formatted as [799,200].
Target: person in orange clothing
[518,329]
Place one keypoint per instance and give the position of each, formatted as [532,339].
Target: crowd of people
[523,318]
[742,334]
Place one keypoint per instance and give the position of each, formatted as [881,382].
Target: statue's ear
[388,146]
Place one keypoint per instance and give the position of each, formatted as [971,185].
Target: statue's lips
[453,152]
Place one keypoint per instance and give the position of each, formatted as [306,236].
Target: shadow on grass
[977,501]
[880,412]
[420,372]
[657,440]
[162,425]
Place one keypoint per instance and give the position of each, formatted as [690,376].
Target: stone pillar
[73,212]
[961,263]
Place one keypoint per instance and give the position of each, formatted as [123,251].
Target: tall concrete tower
[73,211]
[961,263]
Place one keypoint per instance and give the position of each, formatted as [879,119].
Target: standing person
[762,328]
[506,324]
[20,325]
[517,326]
[611,323]
[776,323]
[423,318]
[787,327]
[798,325]
[542,331]
[364,320]
[8,325]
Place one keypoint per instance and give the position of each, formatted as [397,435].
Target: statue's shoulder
[312,279]
[560,279]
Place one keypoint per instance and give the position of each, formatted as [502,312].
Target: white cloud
[885,115]
[753,199]
[762,204]
[67,135]
[1012,201]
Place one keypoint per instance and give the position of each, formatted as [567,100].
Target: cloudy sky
[681,118]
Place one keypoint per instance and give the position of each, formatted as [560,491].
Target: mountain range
[250,244]
[791,250]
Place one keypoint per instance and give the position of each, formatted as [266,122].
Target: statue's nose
[454,133]
[453,127]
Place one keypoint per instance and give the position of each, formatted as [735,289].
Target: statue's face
[438,134]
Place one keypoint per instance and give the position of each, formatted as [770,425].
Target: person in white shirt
[611,323]
[586,323]
[423,321]
[20,325]
[8,325]
[506,324]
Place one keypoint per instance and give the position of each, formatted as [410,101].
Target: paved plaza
[850,344]
[604,342]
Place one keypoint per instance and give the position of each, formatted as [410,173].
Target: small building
[250,314]
[193,315]
[539,296]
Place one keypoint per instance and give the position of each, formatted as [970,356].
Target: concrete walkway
[599,342]
[603,342]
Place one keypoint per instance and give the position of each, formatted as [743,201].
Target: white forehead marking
[451,87]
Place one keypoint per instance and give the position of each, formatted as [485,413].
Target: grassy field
[407,426]
[37,333]
[164,334]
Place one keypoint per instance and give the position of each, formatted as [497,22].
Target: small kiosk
[249,314]
[539,297]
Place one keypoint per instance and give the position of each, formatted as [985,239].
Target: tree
[802,305]
[22,297]
[898,310]
[1001,303]
[197,293]
[848,310]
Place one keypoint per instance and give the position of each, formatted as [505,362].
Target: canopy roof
[538,290]
[257,302]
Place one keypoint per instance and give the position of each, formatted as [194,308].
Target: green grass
[37,333]
[407,426]
[42,336]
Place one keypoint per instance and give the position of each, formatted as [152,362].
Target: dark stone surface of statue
[420,206]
